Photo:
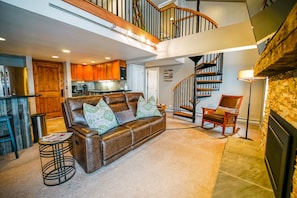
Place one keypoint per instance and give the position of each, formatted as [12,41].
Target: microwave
[123,73]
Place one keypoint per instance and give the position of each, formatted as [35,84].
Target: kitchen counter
[19,96]
[96,91]
[18,107]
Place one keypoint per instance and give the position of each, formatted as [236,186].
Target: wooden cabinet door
[99,72]
[108,70]
[95,72]
[88,73]
[73,74]
[48,81]
[103,72]
[115,75]
[79,73]
[76,72]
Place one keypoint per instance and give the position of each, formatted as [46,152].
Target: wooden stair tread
[183,114]
[203,95]
[189,108]
[208,74]
[207,89]
[205,65]
[208,81]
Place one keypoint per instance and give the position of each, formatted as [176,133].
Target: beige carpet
[181,162]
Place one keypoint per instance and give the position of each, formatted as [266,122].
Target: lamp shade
[246,75]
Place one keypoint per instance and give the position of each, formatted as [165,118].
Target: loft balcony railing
[178,22]
[144,16]
[267,3]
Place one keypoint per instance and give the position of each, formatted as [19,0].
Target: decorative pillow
[124,116]
[99,117]
[221,110]
[147,109]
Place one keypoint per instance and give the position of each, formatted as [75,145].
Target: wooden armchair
[225,115]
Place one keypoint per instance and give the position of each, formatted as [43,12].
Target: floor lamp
[247,76]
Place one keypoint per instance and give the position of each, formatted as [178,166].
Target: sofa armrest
[86,148]
[85,131]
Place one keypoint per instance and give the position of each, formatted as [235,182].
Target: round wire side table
[57,162]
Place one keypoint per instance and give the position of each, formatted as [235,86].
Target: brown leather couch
[91,150]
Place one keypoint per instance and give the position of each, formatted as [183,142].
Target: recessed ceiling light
[2,39]
[129,33]
[92,61]
[55,56]
[142,39]
[107,58]
[84,63]
[66,51]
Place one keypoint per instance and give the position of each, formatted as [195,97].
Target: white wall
[233,62]
[180,72]
[224,13]
[136,77]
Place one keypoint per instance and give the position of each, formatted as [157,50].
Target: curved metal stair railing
[139,16]
[179,22]
[207,78]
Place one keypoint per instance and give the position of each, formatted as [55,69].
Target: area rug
[181,162]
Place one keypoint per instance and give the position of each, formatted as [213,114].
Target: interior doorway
[152,83]
[48,81]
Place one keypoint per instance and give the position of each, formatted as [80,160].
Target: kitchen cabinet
[115,69]
[88,73]
[76,72]
[105,71]
[81,72]
[109,70]
[99,72]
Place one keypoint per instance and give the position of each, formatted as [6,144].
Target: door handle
[62,92]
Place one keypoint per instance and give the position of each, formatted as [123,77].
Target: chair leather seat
[214,117]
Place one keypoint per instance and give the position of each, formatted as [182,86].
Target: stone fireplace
[278,62]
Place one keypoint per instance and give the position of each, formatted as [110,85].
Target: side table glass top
[55,138]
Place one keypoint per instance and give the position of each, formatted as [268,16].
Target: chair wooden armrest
[228,114]
[206,110]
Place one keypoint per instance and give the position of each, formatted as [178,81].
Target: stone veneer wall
[282,98]
[278,61]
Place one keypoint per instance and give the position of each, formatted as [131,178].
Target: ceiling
[31,34]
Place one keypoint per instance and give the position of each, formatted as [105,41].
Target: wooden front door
[48,81]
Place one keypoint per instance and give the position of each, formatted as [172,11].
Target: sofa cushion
[124,116]
[115,141]
[140,128]
[147,109]
[221,110]
[132,99]
[75,108]
[99,117]
[117,102]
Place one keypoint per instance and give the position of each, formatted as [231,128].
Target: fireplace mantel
[280,54]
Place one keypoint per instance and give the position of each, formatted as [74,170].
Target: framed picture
[168,75]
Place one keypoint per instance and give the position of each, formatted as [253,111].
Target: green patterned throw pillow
[147,109]
[100,117]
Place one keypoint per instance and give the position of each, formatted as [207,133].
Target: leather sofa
[91,150]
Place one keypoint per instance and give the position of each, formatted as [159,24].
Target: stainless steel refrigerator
[13,81]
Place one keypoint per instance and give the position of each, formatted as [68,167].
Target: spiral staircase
[207,77]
